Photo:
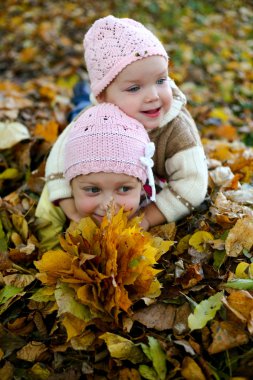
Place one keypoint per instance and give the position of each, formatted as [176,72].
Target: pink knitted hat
[105,139]
[113,43]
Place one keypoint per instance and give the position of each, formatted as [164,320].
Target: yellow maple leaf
[199,239]
[244,270]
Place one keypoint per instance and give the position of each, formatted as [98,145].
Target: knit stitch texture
[111,44]
[105,139]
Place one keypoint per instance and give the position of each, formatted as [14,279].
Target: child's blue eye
[133,89]
[124,189]
[93,190]
[161,80]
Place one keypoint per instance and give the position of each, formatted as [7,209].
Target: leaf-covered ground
[201,325]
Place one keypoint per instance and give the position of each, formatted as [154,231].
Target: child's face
[142,91]
[93,193]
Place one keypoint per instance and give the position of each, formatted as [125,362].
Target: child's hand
[152,217]
[68,207]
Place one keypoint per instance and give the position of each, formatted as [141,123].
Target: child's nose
[106,202]
[152,94]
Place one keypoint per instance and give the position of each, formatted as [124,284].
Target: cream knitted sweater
[179,158]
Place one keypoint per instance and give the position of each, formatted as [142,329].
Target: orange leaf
[227,132]
[27,54]
[48,131]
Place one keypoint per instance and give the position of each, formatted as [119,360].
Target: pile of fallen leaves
[115,302]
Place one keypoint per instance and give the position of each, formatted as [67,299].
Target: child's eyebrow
[131,80]
[158,74]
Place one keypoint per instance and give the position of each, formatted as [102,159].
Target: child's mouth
[152,113]
[99,218]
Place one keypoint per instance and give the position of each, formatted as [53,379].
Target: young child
[128,66]
[107,158]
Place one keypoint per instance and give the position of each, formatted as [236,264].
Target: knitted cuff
[171,207]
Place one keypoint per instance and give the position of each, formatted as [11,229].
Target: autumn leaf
[156,354]
[191,370]
[246,284]
[214,71]
[240,237]
[122,348]
[107,268]
[32,351]
[12,133]
[48,131]
[226,335]
[158,316]
[199,239]
[205,311]
[244,270]
[9,291]
[240,303]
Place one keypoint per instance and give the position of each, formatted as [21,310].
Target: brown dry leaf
[159,316]
[181,319]
[226,212]
[129,374]
[240,237]
[165,231]
[191,370]
[32,351]
[226,335]
[83,341]
[21,326]
[19,280]
[191,276]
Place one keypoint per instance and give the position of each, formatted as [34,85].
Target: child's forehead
[101,177]
[154,65]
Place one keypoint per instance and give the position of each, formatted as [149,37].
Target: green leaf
[65,299]
[219,258]
[8,292]
[158,357]
[156,354]
[146,350]
[205,311]
[147,372]
[10,173]
[3,241]
[245,284]
[44,294]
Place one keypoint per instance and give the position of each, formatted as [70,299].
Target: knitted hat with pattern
[105,139]
[113,43]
